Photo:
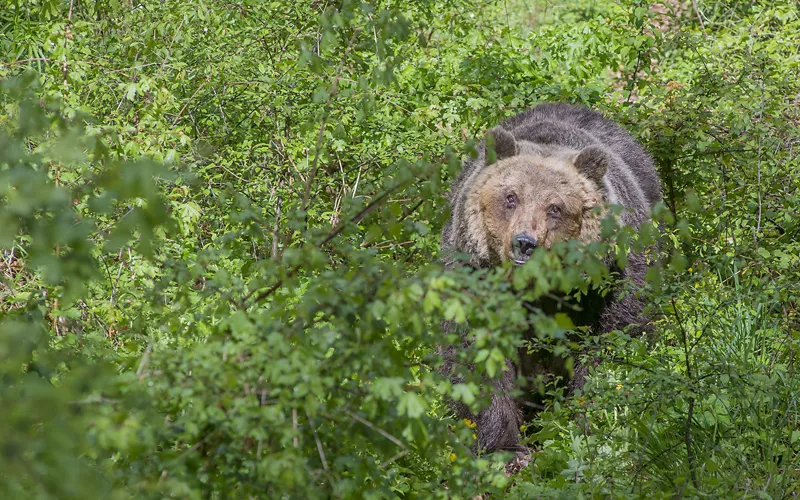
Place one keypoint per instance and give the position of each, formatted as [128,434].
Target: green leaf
[454,310]
[130,91]
[411,405]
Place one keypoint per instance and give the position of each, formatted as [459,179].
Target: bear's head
[533,195]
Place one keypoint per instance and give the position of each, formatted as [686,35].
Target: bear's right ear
[500,144]
[592,162]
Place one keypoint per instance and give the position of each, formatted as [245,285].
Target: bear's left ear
[592,162]
[500,142]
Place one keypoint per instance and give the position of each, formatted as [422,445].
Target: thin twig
[119,274]
[641,463]
[319,446]
[23,61]
[276,226]
[145,361]
[295,439]
[68,34]
[758,166]
[396,457]
[47,59]
[690,413]
[321,133]
[411,211]
[360,215]
[699,16]
[338,229]
[175,121]
[376,429]
[635,78]
[358,178]
[195,446]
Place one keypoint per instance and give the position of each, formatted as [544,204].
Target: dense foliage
[220,246]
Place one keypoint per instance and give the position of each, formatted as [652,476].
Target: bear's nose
[523,246]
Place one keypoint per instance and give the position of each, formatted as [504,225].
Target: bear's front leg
[498,425]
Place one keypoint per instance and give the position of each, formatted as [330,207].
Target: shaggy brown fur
[539,181]
[546,197]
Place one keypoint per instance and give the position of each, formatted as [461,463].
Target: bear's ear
[592,162]
[500,142]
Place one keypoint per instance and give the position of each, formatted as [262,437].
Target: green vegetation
[220,222]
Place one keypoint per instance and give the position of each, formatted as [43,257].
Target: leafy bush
[226,282]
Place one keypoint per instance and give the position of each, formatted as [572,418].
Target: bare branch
[377,429]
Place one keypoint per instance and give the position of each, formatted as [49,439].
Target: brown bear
[550,173]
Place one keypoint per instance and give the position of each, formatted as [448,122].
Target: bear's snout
[522,246]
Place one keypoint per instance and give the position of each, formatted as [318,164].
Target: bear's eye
[511,200]
[554,211]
